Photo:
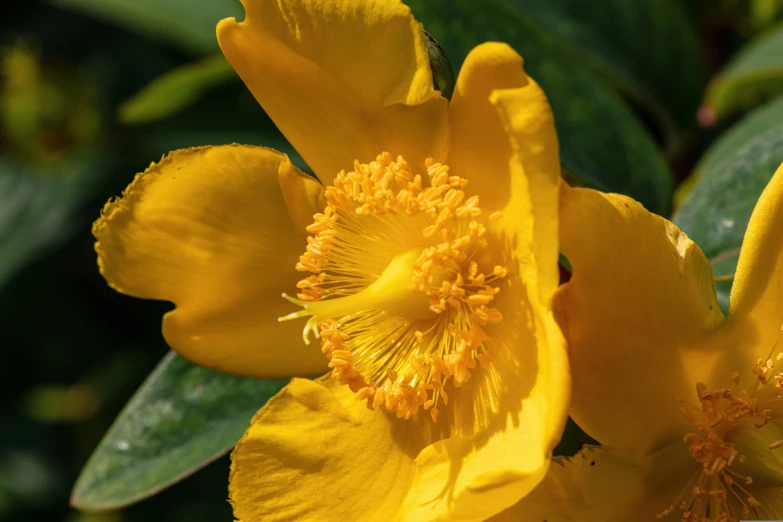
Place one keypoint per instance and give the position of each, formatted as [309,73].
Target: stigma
[723,437]
[401,284]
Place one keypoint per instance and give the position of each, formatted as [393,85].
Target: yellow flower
[687,404]
[424,258]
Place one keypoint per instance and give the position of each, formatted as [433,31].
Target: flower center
[401,284]
[719,491]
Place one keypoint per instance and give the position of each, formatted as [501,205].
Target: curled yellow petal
[757,293]
[637,314]
[479,142]
[503,138]
[529,124]
[343,80]
[209,230]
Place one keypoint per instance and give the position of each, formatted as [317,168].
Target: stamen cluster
[375,212]
[717,493]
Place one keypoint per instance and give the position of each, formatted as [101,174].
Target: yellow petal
[502,129]
[529,122]
[757,293]
[771,503]
[480,148]
[522,395]
[508,419]
[209,230]
[502,439]
[557,498]
[636,314]
[343,80]
[316,453]
[761,463]
[602,485]
[303,196]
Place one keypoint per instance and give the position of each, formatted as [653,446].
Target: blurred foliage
[76,350]
[752,74]
[91,91]
[51,153]
[187,24]
[176,90]
[646,49]
[727,182]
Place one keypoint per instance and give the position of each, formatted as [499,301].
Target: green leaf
[732,175]
[189,24]
[572,440]
[602,144]
[648,49]
[443,76]
[176,90]
[754,73]
[181,418]
[38,207]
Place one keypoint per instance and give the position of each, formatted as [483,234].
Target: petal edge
[208,229]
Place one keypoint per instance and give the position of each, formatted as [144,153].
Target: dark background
[73,350]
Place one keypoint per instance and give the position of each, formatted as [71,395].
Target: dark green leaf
[176,90]
[189,24]
[442,72]
[646,48]
[602,144]
[732,175]
[754,73]
[181,418]
[37,207]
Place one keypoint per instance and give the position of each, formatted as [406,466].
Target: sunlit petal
[209,230]
[637,314]
[343,80]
